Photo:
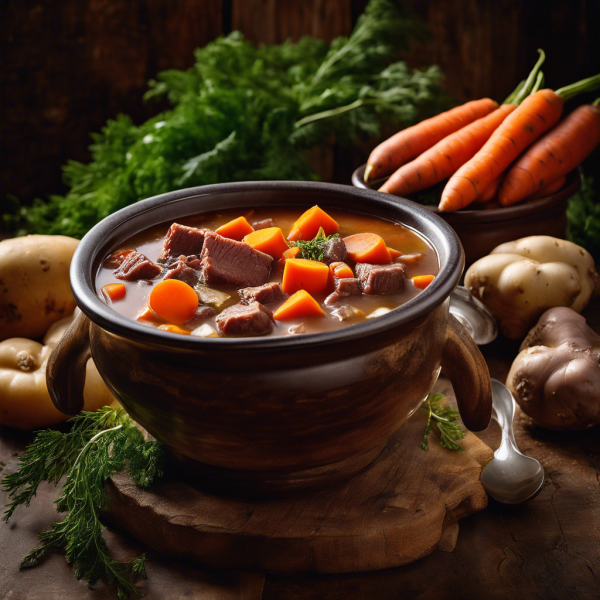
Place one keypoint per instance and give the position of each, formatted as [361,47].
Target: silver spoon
[510,477]
[473,315]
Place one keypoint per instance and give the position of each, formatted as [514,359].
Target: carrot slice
[422,281]
[269,240]
[308,224]
[235,229]
[173,300]
[289,253]
[173,328]
[148,315]
[340,270]
[302,274]
[301,304]
[394,253]
[114,291]
[367,248]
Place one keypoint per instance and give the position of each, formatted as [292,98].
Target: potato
[34,284]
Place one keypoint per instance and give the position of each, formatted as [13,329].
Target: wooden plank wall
[66,67]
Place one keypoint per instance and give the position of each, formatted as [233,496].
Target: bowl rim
[93,248]
[505,213]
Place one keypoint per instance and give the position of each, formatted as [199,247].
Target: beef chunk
[334,251]
[263,294]
[380,279]
[136,266]
[185,268]
[410,259]
[225,261]
[204,312]
[181,239]
[345,287]
[115,260]
[242,319]
[264,224]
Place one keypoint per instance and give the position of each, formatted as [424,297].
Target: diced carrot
[340,270]
[173,300]
[235,229]
[302,274]
[148,315]
[367,248]
[301,304]
[173,328]
[422,281]
[269,240]
[308,224]
[279,265]
[114,291]
[394,253]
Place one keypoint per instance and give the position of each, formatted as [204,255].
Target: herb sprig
[99,445]
[443,418]
[313,249]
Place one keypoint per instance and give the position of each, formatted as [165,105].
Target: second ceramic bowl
[480,231]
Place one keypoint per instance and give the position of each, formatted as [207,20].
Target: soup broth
[417,257]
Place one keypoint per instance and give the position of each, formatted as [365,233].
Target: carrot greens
[243,113]
[99,444]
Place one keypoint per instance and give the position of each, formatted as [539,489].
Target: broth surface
[396,236]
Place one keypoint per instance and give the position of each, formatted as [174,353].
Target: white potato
[34,284]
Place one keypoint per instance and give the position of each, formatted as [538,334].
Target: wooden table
[547,548]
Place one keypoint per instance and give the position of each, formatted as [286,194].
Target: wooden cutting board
[402,507]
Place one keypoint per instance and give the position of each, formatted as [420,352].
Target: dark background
[67,66]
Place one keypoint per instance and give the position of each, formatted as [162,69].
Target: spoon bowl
[510,477]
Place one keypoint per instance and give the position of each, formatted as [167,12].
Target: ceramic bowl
[480,231]
[273,415]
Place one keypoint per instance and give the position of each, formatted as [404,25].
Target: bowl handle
[464,364]
[65,371]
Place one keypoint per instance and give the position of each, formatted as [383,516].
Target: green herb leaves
[313,249]
[444,420]
[99,445]
[245,113]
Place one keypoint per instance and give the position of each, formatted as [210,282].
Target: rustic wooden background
[68,66]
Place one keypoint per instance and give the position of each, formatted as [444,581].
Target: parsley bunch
[443,418]
[99,445]
[245,113]
[583,216]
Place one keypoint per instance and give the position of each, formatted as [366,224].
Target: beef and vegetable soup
[271,271]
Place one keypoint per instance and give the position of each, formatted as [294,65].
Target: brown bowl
[273,415]
[480,231]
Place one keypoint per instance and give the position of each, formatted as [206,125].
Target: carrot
[341,270]
[113,292]
[148,315]
[173,300]
[445,157]
[409,143]
[308,224]
[279,265]
[235,229]
[394,253]
[301,304]
[551,188]
[367,248]
[173,328]
[533,117]
[554,155]
[309,275]
[269,240]
[490,191]
[422,281]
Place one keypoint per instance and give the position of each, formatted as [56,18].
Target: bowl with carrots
[274,415]
[495,173]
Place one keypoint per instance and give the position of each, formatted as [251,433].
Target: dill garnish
[313,249]
[444,419]
[100,444]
